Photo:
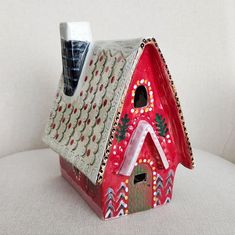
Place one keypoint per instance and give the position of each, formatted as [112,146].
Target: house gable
[169,102]
[162,112]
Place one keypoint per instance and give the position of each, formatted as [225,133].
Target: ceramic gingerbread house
[116,122]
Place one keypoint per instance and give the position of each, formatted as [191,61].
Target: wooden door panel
[140,188]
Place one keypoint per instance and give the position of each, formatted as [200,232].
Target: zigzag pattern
[122,205]
[167,200]
[169,182]
[109,202]
[159,188]
[115,202]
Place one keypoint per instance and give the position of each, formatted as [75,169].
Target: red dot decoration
[105,102]
[91,62]
[85,106]
[93,138]
[81,93]
[94,106]
[91,89]
[98,121]
[69,106]
[106,69]
[63,119]
[88,152]
[96,72]
[101,58]
[101,87]
[75,110]
[112,79]
[60,108]
[69,126]
[71,142]
[82,138]
[88,121]
[79,122]
[85,79]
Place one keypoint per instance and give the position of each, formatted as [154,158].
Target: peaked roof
[135,146]
[80,126]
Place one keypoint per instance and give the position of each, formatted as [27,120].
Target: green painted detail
[161,125]
[122,128]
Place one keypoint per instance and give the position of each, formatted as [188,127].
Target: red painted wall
[112,195]
[151,73]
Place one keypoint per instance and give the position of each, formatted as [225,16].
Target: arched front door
[140,188]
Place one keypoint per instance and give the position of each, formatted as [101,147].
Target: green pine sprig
[161,125]
[122,128]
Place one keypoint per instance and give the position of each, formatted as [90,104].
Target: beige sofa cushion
[35,199]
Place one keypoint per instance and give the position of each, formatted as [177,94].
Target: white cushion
[35,199]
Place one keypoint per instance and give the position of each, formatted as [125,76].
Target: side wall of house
[90,192]
[115,186]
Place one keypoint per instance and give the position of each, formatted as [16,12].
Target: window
[141,97]
[73,57]
[140,178]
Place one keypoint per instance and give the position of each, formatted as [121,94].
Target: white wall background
[197,39]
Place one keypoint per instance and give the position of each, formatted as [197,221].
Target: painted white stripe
[135,145]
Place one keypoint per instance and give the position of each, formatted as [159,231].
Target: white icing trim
[80,31]
[135,145]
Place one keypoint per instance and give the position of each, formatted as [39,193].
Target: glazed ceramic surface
[117,124]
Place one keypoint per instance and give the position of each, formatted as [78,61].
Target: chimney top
[79,31]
